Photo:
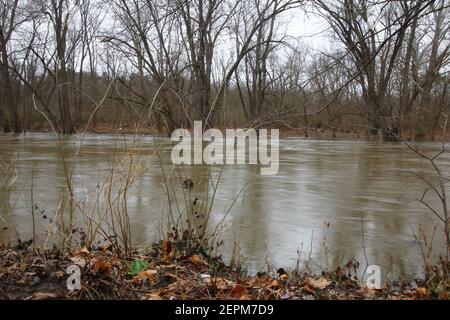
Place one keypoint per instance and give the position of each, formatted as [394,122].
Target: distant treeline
[163,64]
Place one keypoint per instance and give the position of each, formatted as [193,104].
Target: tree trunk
[61,29]
[8,94]
[4,123]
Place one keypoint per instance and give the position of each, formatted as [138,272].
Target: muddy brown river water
[327,198]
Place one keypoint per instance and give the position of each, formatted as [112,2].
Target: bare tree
[373,34]
[202,24]
[439,53]
[11,18]
[255,64]
[60,14]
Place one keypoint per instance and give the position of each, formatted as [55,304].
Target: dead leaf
[105,247]
[308,289]
[79,261]
[421,292]
[168,266]
[149,275]
[274,284]
[43,296]
[197,261]
[238,292]
[320,283]
[152,296]
[168,250]
[283,277]
[223,284]
[102,266]
[82,251]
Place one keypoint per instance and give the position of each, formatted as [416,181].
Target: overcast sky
[312,30]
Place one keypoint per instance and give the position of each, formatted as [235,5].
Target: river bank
[344,133]
[165,273]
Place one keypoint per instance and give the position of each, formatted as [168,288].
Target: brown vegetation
[171,274]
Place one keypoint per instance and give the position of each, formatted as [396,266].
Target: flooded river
[331,200]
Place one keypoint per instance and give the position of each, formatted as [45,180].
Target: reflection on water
[327,197]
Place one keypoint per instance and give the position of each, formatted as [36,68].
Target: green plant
[137,266]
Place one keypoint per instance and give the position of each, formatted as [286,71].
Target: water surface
[328,199]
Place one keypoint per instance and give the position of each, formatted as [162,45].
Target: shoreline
[168,273]
[313,134]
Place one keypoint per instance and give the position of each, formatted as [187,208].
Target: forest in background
[162,64]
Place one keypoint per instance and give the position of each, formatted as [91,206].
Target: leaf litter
[165,273]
